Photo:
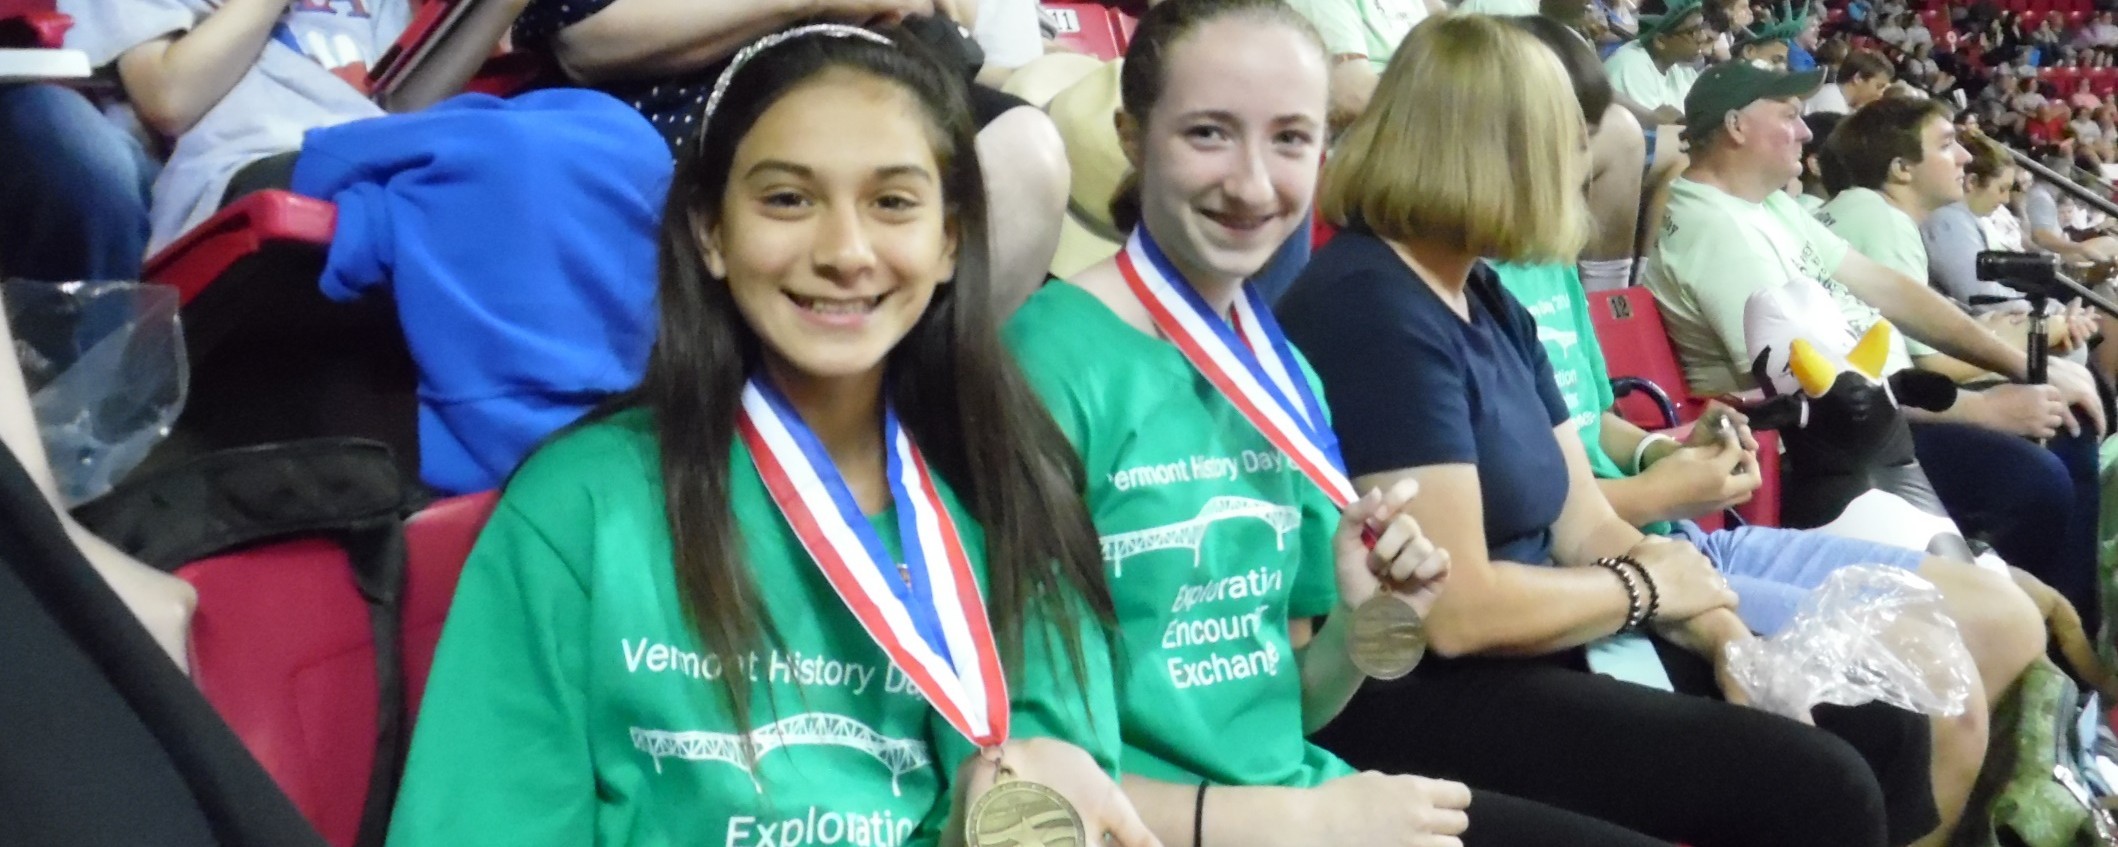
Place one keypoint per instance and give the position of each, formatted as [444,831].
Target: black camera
[2034,274]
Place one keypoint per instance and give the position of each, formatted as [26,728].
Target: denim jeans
[75,189]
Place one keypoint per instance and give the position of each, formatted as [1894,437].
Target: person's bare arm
[1927,316]
[636,39]
[1236,815]
[1923,314]
[174,80]
[1500,607]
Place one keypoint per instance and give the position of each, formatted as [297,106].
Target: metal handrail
[2097,201]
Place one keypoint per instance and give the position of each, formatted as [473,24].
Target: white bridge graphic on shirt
[900,755]
[1191,534]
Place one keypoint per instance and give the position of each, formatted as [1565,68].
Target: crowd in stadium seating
[905,430]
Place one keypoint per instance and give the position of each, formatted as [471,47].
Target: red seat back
[242,230]
[33,24]
[1629,327]
[1092,28]
[282,648]
[1635,344]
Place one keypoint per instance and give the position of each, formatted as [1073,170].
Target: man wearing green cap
[1655,71]
[1731,232]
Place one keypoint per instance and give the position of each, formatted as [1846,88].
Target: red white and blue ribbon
[1248,359]
[930,618]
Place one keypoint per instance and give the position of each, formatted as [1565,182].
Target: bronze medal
[1019,813]
[1388,639]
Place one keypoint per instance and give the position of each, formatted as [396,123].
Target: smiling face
[832,242]
[1228,156]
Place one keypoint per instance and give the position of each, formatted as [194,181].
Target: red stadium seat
[2103,81]
[1636,349]
[248,228]
[32,24]
[1092,28]
[282,648]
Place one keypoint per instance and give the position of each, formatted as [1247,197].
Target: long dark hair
[1146,68]
[953,385]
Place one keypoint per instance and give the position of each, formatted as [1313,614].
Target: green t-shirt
[1212,542]
[1553,295]
[1371,28]
[570,702]
[1886,234]
[1633,73]
[1717,250]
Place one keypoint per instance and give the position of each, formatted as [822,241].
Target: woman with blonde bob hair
[1474,148]
[1504,182]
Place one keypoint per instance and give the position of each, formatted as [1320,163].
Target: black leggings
[1499,820]
[1680,767]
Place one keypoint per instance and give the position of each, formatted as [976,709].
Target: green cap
[1732,85]
[1676,13]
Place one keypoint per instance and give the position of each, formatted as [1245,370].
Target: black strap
[347,490]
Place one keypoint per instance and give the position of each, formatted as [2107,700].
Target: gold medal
[1388,639]
[1019,813]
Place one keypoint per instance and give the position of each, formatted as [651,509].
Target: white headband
[743,57]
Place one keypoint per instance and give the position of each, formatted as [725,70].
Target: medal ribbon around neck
[931,622]
[1249,361]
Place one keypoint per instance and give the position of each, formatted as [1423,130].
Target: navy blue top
[1411,384]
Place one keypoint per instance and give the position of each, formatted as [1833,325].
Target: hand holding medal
[1390,574]
[1039,792]
[1247,358]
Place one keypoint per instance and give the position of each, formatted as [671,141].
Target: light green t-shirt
[1717,250]
[1633,73]
[1553,294]
[1509,8]
[1371,28]
[1886,234]
[1211,539]
[571,703]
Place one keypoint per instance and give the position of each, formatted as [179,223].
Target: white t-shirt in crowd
[1828,99]
[1007,31]
[289,91]
[1633,73]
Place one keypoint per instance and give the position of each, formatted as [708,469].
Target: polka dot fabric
[672,105]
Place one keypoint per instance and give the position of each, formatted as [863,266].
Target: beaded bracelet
[1636,610]
[1654,592]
